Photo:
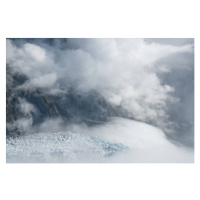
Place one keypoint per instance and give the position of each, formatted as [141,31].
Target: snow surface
[120,140]
[60,147]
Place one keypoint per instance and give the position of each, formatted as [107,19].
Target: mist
[152,80]
[118,141]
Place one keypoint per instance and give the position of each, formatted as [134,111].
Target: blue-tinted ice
[60,147]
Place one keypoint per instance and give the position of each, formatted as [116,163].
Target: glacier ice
[60,147]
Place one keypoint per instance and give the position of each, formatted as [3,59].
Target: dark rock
[71,106]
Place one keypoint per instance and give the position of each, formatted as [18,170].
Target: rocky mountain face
[29,107]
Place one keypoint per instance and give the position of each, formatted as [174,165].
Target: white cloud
[47,80]
[145,143]
[115,99]
[26,107]
[164,69]
[122,70]
[35,52]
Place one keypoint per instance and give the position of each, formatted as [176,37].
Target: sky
[153,79]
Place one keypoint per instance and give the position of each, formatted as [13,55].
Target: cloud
[33,61]
[172,41]
[46,81]
[127,72]
[26,107]
[23,125]
[181,77]
[144,144]
[35,52]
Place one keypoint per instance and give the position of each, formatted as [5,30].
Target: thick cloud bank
[146,143]
[142,76]
[120,140]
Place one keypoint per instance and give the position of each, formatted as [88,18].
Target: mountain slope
[29,107]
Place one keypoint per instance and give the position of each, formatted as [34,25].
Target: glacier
[60,147]
[118,141]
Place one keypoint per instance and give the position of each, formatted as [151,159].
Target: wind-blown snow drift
[120,140]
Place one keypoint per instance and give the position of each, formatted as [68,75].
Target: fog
[151,79]
[126,141]
[141,75]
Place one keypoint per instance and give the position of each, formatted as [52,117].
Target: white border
[99,19]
